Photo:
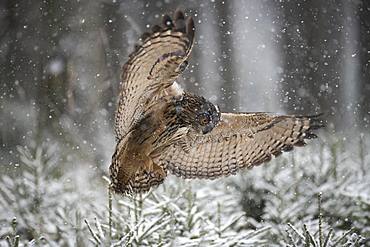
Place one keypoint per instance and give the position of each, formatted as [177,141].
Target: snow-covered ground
[276,204]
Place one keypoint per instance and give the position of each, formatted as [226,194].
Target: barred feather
[152,68]
[240,140]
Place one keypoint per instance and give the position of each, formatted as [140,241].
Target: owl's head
[207,116]
[198,112]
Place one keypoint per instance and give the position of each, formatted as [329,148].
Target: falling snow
[60,65]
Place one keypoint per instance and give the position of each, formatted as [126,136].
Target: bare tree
[226,68]
[312,50]
[364,49]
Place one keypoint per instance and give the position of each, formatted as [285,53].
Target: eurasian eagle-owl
[161,128]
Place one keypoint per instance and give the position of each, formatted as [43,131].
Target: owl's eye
[204,119]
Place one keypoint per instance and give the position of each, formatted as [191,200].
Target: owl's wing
[239,140]
[152,68]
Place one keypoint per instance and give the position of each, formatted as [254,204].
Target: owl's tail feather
[138,179]
[141,183]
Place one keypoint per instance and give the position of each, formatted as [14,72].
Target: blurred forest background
[60,65]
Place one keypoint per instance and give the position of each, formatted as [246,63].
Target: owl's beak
[208,128]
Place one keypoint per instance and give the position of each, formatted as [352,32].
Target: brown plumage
[239,140]
[151,69]
[160,128]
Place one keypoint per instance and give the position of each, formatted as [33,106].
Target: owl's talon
[159,170]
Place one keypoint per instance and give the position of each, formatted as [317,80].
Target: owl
[162,129]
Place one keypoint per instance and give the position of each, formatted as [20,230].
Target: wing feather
[152,68]
[238,141]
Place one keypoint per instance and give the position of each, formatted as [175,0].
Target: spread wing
[152,68]
[238,141]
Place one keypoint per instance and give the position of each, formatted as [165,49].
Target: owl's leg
[153,167]
[159,170]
